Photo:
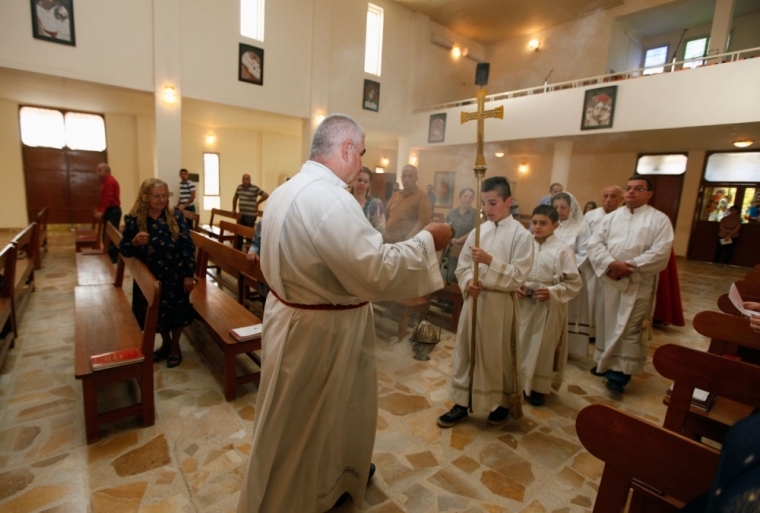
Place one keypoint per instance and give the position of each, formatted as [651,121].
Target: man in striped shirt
[250,197]
[186,192]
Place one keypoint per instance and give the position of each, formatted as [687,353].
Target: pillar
[721,26]
[404,156]
[563,153]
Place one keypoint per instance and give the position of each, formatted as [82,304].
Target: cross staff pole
[480,170]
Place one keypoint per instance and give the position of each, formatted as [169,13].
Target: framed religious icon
[53,20]
[437,128]
[599,108]
[371,98]
[251,64]
[443,188]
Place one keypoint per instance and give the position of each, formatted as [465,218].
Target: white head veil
[575,225]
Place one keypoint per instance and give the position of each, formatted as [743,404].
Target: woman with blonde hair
[158,235]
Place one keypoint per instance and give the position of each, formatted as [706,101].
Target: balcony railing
[707,60]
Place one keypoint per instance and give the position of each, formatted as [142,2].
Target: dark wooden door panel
[85,160]
[667,195]
[44,159]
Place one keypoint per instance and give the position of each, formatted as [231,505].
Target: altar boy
[552,283]
[505,258]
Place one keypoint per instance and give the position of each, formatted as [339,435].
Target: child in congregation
[505,258]
[552,283]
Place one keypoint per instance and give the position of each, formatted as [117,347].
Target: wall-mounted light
[320,118]
[499,154]
[169,94]
[743,143]
[210,139]
[523,168]
[456,50]
[385,161]
[379,170]
[534,44]
[413,160]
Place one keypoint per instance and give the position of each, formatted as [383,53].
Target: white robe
[543,325]
[622,307]
[496,379]
[587,271]
[578,308]
[316,409]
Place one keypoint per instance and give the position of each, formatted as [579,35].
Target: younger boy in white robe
[505,257]
[552,283]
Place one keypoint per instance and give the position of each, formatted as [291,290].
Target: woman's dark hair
[593,205]
[466,189]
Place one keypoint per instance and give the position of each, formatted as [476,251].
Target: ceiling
[679,15]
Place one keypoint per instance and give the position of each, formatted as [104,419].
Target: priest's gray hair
[332,132]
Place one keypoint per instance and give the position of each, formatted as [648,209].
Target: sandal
[161,354]
[173,361]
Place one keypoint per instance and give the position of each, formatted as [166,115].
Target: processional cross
[480,170]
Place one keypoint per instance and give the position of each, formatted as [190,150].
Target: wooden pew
[8,326]
[238,230]
[193,219]
[220,312]
[89,237]
[749,290]
[25,255]
[105,323]
[95,267]
[214,231]
[729,335]
[41,237]
[634,449]
[736,384]
[753,276]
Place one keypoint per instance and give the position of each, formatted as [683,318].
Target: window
[655,57]
[50,128]
[373,53]
[733,167]
[661,164]
[695,48]
[211,181]
[252,19]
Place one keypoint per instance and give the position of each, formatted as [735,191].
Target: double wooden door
[64,181]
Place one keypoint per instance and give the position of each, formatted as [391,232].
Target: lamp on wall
[320,118]
[457,51]
[379,169]
[385,161]
[169,94]
[523,167]
[534,44]
[743,143]
[413,160]
[210,139]
[498,154]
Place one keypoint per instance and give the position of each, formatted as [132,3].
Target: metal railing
[707,60]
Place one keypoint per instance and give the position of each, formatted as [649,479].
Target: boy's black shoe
[498,416]
[456,414]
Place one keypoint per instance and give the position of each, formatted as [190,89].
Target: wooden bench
[736,384]
[41,236]
[405,308]
[220,312]
[749,290]
[729,335]
[648,458]
[105,323]
[25,255]
[95,267]
[8,326]
[193,219]
[214,231]
[89,237]
[239,231]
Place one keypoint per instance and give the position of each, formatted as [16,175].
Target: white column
[563,153]
[404,156]
[721,26]
[320,74]
[167,58]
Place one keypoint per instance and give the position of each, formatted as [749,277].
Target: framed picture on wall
[437,128]
[53,20]
[443,188]
[251,64]
[599,108]
[371,98]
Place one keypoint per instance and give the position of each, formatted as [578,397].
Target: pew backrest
[722,328]
[238,230]
[41,237]
[8,264]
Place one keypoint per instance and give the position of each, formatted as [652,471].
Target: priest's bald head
[338,144]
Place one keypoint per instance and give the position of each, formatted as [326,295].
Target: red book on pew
[116,358]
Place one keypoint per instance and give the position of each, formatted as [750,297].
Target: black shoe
[498,416]
[536,398]
[341,500]
[372,470]
[615,386]
[456,414]
[595,373]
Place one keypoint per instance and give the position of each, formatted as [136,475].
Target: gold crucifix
[480,171]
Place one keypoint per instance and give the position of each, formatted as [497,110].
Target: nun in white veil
[574,231]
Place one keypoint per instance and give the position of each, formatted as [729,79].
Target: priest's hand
[754,321]
[521,292]
[620,269]
[441,233]
[474,290]
[480,256]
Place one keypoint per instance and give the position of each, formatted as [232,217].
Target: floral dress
[374,210]
[170,261]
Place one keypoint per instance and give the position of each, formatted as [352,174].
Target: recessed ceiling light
[499,154]
[743,143]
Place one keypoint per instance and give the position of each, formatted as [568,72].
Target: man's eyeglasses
[637,189]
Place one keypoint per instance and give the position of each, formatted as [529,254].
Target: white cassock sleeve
[567,277]
[509,276]
[598,254]
[655,258]
[581,244]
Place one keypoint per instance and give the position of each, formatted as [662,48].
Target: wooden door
[64,181]
[667,195]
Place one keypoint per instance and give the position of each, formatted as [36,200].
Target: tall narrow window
[655,57]
[252,19]
[42,127]
[373,53]
[695,48]
[211,181]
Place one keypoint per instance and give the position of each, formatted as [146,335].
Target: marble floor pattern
[194,457]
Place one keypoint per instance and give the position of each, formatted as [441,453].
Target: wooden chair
[736,384]
[89,237]
[214,231]
[640,455]
[26,250]
[105,323]
[8,326]
[41,236]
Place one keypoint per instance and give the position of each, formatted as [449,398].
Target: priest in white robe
[316,408]
[612,198]
[505,258]
[627,252]
[553,282]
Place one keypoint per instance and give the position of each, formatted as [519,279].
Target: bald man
[408,211]
[612,198]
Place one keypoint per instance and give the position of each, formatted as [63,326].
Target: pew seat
[89,237]
[8,326]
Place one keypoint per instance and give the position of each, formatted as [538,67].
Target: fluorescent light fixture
[743,143]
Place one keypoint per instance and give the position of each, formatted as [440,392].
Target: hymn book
[116,358]
[247,333]
[700,398]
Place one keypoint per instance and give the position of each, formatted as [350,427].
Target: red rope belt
[317,307]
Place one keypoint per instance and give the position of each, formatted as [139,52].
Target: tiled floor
[193,458]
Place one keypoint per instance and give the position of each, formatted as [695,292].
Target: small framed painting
[599,108]
[443,188]
[53,20]
[371,99]
[437,128]
[251,64]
